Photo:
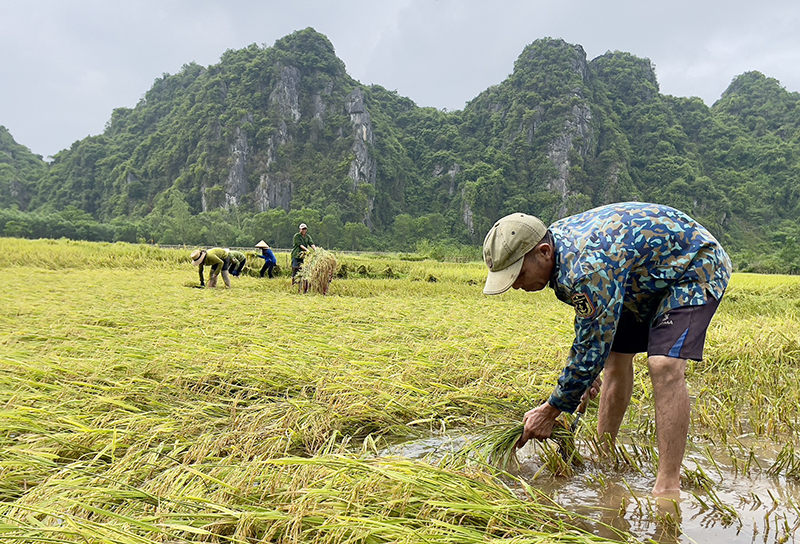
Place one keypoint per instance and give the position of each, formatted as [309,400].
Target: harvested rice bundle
[317,271]
[500,445]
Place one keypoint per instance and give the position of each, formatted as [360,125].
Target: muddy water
[740,503]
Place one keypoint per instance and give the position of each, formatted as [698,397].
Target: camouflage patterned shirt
[646,258]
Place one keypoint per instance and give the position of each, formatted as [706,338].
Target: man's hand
[538,423]
[593,390]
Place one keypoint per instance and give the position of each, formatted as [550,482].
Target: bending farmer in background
[238,260]
[641,277]
[269,259]
[218,259]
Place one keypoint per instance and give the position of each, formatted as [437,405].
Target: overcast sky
[66,64]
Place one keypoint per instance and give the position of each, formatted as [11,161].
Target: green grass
[135,409]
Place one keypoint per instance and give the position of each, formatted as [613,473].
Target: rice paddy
[136,410]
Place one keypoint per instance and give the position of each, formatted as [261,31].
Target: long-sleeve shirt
[237,256]
[268,256]
[646,258]
[300,240]
[214,257]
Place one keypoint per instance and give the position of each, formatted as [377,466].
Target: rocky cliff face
[285,96]
[576,126]
[467,215]
[272,191]
[576,132]
[236,185]
[546,112]
[275,191]
[362,167]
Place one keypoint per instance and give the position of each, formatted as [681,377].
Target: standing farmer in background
[269,258]
[642,277]
[218,259]
[238,260]
[300,245]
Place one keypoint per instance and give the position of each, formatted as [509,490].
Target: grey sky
[66,64]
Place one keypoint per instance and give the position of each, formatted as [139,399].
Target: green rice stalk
[499,448]
[125,411]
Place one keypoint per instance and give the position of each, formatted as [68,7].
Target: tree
[356,235]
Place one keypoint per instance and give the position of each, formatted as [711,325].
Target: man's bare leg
[616,396]
[672,420]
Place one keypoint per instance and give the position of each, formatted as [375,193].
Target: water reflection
[613,503]
[667,521]
[729,495]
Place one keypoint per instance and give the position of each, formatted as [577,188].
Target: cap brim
[502,280]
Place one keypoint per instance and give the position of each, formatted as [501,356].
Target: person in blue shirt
[269,258]
[641,277]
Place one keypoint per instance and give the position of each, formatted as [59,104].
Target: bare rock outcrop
[236,185]
[578,124]
[285,95]
[273,192]
[362,168]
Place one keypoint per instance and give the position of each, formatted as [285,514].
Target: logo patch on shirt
[583,306]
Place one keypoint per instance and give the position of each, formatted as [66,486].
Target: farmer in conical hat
[641,277]
[218,259]
[269,258]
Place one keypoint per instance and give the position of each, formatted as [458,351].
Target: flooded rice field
[731,495]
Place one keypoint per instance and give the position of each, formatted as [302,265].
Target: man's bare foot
[667,493]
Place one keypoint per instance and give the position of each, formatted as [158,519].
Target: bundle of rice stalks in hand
[317,271]
[499,448]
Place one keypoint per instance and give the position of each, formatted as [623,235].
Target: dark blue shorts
[678,333]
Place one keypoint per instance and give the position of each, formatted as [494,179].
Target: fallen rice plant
[497,445]
[133,409]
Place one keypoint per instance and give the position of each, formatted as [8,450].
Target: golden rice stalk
[500,445]
[317,271]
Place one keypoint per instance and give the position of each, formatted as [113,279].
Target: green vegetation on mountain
[19,169]
[273,136]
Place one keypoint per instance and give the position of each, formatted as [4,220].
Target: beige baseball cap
[504,247]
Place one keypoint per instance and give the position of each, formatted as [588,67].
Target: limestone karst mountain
[284,127]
